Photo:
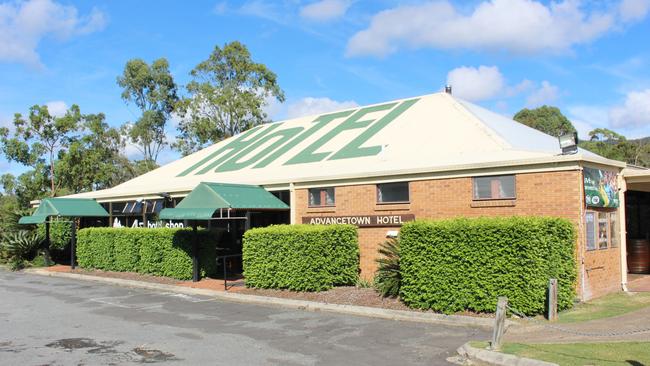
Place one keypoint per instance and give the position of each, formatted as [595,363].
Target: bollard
[551,313]
[499,323]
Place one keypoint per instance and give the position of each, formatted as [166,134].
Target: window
[590,221]
[321,197]
[393,192]
[494,188]
[134,207]
[602,230]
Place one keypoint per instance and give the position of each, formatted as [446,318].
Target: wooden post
[73,243]
[552,300]
[499,323]
[195,254]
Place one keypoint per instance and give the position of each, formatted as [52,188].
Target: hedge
[156,251]
[301,257]
[465,264]
[60,234]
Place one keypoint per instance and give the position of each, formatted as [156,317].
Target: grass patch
[580,354]
[606,307]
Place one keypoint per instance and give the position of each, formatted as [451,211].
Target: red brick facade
[539,194]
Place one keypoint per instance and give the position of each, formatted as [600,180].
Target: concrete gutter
[400,315]
[470,356]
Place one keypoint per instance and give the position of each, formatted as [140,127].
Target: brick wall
[540,194]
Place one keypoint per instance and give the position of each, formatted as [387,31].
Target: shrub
[301,257]
[20,246]
[60,234]
[465,264]
[156,251]
[388,276]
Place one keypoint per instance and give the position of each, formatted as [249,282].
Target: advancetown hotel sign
[360,221]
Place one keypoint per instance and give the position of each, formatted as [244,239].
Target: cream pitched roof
[431,133]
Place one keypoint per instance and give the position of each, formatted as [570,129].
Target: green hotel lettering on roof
[229,157]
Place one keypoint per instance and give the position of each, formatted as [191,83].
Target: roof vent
[448,89]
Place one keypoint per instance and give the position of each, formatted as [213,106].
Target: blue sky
[591,59]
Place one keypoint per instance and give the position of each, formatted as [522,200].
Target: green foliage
[153,90]
[364,283]
[10,213]
[159,251]
[60,234]
[20,246]
[94,160]
[301,257]
[235,88]
[39,138]
[465,264]
[388,277]
[546,119]
[612,145]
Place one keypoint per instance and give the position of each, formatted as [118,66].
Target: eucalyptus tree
[547,119]
[152,89]
[93,160]
[39,138]
[227,94]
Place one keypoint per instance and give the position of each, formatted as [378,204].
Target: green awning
[34,219]
[206,198]
[66,207]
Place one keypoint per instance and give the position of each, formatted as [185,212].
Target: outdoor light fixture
[569,143]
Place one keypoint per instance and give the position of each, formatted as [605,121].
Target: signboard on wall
[601,188]
[360,220]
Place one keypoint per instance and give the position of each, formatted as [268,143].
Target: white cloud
[634,10]
[57,108]
[220,8]
[476,84]
[513,26]
[586,118]
[310,105]
[545,94]
[24,24]
[634,112]
[325,10]
[631,117]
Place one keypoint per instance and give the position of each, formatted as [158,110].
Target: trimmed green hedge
[301,257]
[465,264]
[60,234]
[156,251]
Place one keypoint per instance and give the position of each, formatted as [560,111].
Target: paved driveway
[55,321]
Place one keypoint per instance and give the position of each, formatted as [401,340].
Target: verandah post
[46,249]
[73,243]
[195,254]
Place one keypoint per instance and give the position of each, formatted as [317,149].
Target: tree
[226,96]
[29,186]
[612,145]
[93,161]
[547,119]
[153,90]
[38,139]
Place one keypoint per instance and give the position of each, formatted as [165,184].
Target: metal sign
[360,220]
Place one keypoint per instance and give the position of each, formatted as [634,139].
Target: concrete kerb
[486,357]
[400,315]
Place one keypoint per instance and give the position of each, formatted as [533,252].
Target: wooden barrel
[638,255]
